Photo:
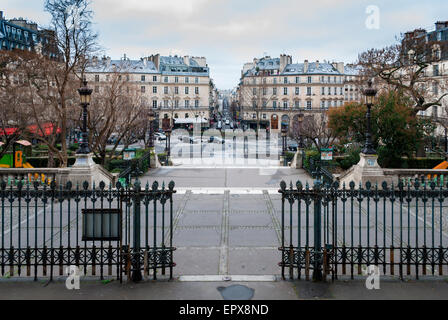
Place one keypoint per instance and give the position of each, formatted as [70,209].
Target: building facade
[274,91]
[176,88]
[19,34]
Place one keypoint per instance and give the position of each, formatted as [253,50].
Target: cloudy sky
[231,32]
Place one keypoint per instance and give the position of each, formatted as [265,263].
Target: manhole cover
[236,292]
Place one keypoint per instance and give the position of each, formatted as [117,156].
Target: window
[176,90]
[97,89]
[323,104]
[196,80]
[297,104]
[436,70]
[176,104]
[154,104]
[310,79]
[176,79]
[285,104]
[308,91]
[274,104]
[143,78]
[187,80]
[187,103]
[154,78]
[275,80]
[97,78]
[264,91]
[323,91]
[435,88]
[143,89]
[264,116]
[335,90]
[309,105]
[297,91]
[297,79]
[154,89]
[187,90]
[166,79]
[329,91]
[165,104]
[285,80]
[254,91]
[196,90]
[196,103]
[274,91]
[107,77]
[165,90]
[285,91]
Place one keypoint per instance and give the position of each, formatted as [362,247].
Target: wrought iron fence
[333,230]
[105,231]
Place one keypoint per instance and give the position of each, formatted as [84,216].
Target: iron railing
[318,170]
[334,230]
[44,230]
[136,167]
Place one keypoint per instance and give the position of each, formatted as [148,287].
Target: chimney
[305,66]
[441,25]
[187,60]
[317,64]
[284,61]
[145,61]
[340,67]
[1,15]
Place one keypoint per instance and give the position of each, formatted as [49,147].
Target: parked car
[216,140]
[160,136]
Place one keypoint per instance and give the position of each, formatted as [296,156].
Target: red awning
[47,128]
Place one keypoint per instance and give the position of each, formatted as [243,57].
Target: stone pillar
[367,169]
[85,169]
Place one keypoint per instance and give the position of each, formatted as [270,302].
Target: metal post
[317,272]
[136,272]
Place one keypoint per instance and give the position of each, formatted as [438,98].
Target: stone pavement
[176,290]
[227,219]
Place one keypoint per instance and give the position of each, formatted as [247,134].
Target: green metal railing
[44,228]
[336,230]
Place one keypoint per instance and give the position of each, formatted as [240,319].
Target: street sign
[129,154]
[326,154]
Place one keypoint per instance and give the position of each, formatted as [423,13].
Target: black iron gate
[105,231]
[330,231]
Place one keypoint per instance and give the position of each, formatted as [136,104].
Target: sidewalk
[175,290]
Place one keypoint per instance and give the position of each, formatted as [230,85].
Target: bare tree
[314,128]
[117,109]
[14,114]
[257,95]
[75,42]
[405,67]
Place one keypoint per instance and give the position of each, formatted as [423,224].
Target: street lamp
[168,145]
[85,94]
[151,129]
[370,94]
[284,134]
[301,118]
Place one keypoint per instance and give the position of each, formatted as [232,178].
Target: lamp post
[370,94]
[168,145]
[151,129]
[284,134]
[301,118]
[85,94]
